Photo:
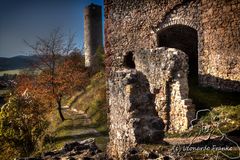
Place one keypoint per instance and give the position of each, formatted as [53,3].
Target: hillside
[17,62]
[86,117]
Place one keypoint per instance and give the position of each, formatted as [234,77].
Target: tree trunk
[60,110]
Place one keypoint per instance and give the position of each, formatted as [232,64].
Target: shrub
[22,123]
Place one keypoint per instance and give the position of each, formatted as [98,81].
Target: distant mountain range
[17,62]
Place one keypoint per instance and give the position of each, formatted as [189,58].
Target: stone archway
[185,38]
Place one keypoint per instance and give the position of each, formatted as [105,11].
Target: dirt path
[78,126]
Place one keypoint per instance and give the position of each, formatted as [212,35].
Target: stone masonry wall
[220,53]
[134,24]
[152,83]
[166,71]
[133,118]
[138,97]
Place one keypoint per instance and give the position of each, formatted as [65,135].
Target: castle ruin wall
[134,24]
[147,100]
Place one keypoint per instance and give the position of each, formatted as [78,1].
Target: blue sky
[25,19]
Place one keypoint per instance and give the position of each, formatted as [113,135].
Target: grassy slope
[225,105]
[204,97]
[93,102]
[221,119]
[77,126]
[225,111]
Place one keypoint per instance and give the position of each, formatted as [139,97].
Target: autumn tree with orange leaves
[61,71]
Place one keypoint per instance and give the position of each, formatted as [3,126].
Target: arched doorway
[184,38]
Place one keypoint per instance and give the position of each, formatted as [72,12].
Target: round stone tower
[92,32]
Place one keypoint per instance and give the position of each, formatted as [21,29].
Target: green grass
[221,119]
[223,105]
[76,127]
[11,72]
[19,71]
[227,116]
[93,101]
[3,92]
[206,97]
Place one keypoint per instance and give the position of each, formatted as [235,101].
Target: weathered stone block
[149,99]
